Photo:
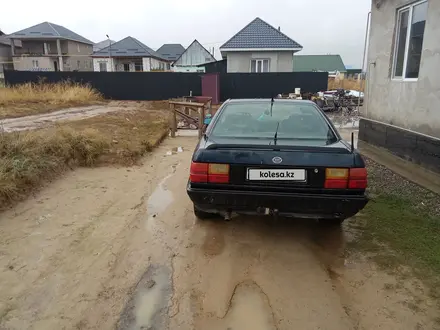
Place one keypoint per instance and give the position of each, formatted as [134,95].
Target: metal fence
[166,85]
[266,85]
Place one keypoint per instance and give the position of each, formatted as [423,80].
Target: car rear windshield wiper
[271,106]
[275,138]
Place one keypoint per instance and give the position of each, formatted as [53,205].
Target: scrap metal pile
[338,100]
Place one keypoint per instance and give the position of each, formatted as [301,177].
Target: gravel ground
[383,181]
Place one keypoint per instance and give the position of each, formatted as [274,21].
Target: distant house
[51,47]
[259,47]
[171,51]
[128,54]
[194,55]
[6,53]
[102,44]
[354,74]
[332,64]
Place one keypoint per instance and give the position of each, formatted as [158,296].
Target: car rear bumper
[286,204]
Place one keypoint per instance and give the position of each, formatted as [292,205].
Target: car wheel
[203,215]
[332,221]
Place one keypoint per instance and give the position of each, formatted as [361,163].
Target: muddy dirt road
[75,113]
[120,248]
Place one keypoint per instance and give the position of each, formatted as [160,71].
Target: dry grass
[30,98]
[352,84]
[28,159]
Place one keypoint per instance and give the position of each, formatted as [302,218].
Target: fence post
[173,121]
[201,120]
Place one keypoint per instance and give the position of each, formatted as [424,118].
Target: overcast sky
[320,26]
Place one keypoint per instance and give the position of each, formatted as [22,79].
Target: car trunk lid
[256,163]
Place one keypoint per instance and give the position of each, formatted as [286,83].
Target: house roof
[4,40]
[102,44]
[325,63]
[196,42]
[48,30]
[171,51]
[258,35]
[127,47]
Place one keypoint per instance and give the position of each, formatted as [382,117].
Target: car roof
[276,100]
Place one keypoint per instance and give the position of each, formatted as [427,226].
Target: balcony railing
[37,53]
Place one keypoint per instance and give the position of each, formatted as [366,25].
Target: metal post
[110,63]
[201,120]
[173,121]
[363,62]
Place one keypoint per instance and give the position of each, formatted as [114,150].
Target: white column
[12,47]
[60,55]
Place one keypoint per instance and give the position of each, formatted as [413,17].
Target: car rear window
[290,120]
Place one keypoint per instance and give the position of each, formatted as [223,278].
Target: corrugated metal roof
[102,44]
[128,47]
[171,51]
[48,30]
[259,34]
[325,63]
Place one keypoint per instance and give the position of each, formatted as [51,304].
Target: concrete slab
[411,171]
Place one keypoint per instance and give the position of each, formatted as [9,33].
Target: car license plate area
[261,174]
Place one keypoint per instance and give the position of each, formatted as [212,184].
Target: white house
[259,47]
[194,55]
[129,54]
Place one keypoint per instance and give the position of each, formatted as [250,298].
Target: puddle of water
[159,200]
[149,300]
[249,310]
[187,132]
[147,309]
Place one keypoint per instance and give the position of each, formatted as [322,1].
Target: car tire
[203,215]
[332,221]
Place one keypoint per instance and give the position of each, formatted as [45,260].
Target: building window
[408,44]
[102,66]
[126,67]
[35,64]
[260,66]
[138,66]
[168,66]
[78,64]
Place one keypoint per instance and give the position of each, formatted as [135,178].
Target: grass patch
[28,159]
[31,98]
[400,226]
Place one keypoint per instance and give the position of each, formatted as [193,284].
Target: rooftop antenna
[352,142]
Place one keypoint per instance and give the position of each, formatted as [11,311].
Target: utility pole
[110,53]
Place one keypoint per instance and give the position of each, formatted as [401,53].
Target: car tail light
[357,178]
[209,173]
[343,178]
[198,172]
[336,178]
